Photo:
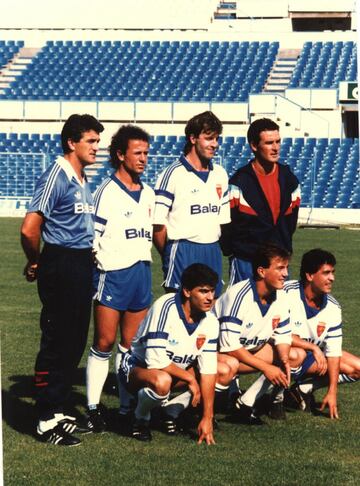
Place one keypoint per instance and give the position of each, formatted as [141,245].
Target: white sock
[126,398]
[278,394]
[176,405]
[147,400]
[221,388]
[96,373]
[45,425]
[322,381]
[255,391]
[306,387]
[343,378]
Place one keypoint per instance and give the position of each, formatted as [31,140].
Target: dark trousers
[65,290]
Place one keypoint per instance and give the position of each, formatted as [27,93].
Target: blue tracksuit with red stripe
[251,217]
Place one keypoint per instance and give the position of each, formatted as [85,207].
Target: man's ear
[309,277]
[261,271]
[71,145]
[186,292]
[120,155]
[192,139]
[253,146]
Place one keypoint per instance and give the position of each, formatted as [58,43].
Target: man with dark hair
[62,212]
[191,204]
[124,208]
[255,330]
[176,341]
[317,328]
[264,201]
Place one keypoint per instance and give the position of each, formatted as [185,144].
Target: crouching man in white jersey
[317,328]
[175,343]
[191,204]
[124,208]
[255,333]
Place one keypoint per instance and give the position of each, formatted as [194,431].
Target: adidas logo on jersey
[209,208]
[77,195]
[134,233]
[81,207]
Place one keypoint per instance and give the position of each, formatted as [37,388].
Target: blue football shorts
[179,254]
[239,270]
[299,372]
[125,289]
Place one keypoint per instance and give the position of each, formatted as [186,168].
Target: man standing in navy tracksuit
[264,202]
[62,213]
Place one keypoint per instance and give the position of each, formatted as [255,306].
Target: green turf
[303,450]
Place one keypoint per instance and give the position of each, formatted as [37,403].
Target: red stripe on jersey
[294,204]
[247,210]
[234,202]
[43,383]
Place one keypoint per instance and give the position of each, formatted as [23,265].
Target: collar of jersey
[124,188]
[190,168]
[68,169]
[263,307]
[311,311]
[190,327]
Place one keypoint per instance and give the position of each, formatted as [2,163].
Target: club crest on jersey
[320,328]
[77,195]
[219,190]
[275,322]
[200,340]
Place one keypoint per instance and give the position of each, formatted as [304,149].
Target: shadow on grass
[18,402]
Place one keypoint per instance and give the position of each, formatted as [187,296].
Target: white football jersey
[164,336]
[246,323]
[189,207]
[123,226]
[322,327]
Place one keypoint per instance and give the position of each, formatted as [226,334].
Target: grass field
[303,450]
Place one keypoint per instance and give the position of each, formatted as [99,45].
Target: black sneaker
[58,436]
[277,411]
[168,424]
[141,430]
[73,427]
[301,401]
[242,414]
[95,422]
[125,422]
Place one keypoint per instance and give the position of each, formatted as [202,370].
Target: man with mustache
[124,209]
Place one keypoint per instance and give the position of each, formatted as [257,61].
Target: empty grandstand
[241,59]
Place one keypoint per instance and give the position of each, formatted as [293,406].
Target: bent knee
[161,383]
[296,356]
